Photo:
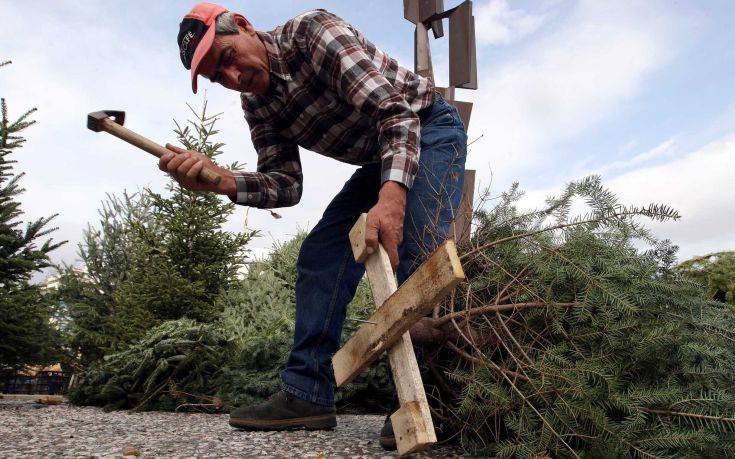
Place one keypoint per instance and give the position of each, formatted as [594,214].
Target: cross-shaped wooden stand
[396,311]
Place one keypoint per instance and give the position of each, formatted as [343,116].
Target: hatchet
[112,121]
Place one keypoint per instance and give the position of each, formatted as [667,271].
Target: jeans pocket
[445,115]
[444,120]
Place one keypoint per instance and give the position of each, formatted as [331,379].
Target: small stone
[49,400]
[128,450]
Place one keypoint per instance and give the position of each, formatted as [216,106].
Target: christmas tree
[570,340]
[152,258]
[26,334]
[96,324]
[183,259]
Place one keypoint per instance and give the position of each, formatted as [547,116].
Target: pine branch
[490,309]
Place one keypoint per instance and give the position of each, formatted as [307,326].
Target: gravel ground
[28,429]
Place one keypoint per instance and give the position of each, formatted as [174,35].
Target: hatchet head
[94,119]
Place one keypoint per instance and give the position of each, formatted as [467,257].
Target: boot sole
[325,422]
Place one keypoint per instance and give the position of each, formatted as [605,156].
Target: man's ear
[244,24]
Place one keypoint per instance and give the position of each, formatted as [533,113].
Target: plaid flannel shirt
[333,92]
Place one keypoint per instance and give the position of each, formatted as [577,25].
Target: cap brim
[202,49]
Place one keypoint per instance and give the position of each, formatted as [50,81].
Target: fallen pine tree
[568,340]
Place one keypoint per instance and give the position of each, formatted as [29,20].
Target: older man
[318,83]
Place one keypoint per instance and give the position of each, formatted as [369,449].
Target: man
[318,83]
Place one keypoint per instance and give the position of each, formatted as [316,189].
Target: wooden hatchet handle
[206,175]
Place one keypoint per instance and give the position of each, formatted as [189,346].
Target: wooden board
[465,111]
[429,8]
[462,224]
[411,10]
[431,281]
[462,49]
[447,93]
[416,425]
[410,389]
[407,429]
[422,52]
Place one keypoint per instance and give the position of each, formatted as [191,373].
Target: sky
[639,92]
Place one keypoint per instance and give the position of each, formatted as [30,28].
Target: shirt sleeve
[342,60]
[278,180]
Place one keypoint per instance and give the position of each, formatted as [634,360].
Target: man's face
[238,61]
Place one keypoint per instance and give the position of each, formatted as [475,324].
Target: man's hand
[185,165]
[385,221]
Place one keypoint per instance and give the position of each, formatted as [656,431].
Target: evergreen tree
[184,259]
[26,334]
[96,324]
[567,340]
[151,259]
[235,360]
[716,271]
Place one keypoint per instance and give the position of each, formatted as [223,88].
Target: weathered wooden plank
[472,84]
[411,434]
[462,224]
[411,10]
[422,52]
[465,111]
[429,8]
[410,388]
[418,430]
[433,280]
[462,50]
[447,93]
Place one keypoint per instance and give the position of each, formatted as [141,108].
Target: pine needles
[569,341]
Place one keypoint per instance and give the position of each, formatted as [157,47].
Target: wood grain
[433,280]
[207,175]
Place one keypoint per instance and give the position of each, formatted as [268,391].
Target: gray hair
[225,24]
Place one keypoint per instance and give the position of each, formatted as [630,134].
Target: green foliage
[256,324]
[184,259]
[568,341]
[26,334]
[97,324]
[716,271]
[258,318]
[159,372]
[151,258]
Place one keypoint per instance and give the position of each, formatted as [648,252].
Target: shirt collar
[275,60]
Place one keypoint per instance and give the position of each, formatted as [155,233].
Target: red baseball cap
[196,35]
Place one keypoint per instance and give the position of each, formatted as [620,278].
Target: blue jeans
[327,271]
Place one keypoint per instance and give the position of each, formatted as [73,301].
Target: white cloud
[66,75]
[497,24]
[698,184]
[566,82]
[666,149]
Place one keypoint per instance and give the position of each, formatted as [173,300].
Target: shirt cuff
[399,167]
[246,194]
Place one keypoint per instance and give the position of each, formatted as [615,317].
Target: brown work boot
[284,411]
[387,438]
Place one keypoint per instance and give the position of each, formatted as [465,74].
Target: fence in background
[44,382]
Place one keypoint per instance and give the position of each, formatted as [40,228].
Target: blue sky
[640,92]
